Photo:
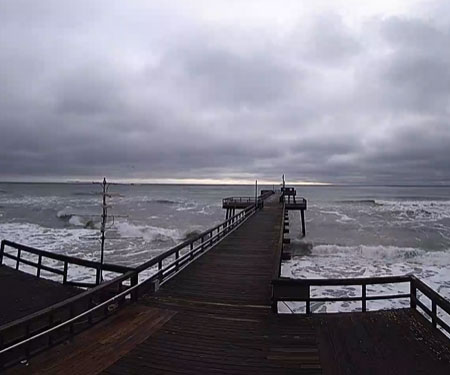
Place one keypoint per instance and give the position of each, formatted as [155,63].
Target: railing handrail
[346,281]
[280,246]
[66,258]
[240,199]
[71,320]
[303,294]
[261,197]
[431,294]
[67,302]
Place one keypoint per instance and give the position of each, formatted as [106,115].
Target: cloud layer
[141,90]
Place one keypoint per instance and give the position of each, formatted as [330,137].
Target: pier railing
[55,264]
[247,200]
[34,333]
[241,200]
[299,290]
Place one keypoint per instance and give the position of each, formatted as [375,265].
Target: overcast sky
[324,91]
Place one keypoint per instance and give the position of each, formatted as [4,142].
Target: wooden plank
[23,294]
[96,349]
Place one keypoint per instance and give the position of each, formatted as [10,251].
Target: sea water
[371,231]
[351,231]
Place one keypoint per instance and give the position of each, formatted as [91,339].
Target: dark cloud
[157,91]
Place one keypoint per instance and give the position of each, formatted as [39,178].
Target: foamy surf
[336,261]
[147,233]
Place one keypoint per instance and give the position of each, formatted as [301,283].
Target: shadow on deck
[22,294]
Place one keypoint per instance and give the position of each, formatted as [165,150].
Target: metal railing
[250,200]
[34,333]
[60,264]
[299,290]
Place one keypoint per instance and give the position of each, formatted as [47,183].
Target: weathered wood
[22,294]
[384,342]
[98,348]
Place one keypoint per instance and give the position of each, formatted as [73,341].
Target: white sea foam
[368,252]
[148,233]
[64,240]
[335,261]
[77,221]
[85,221]
[342,218]
[417,210]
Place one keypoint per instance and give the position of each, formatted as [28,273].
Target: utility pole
[103,225]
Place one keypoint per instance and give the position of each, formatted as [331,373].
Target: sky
[225,91]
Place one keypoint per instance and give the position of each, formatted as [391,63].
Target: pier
[211,305]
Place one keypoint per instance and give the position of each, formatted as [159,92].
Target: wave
[60,240]
[371,202]
[163,201]
[148,233]
[367,252]
[425,210]
[342,218]
[87,222]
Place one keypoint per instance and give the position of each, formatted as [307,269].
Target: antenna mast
[103,225]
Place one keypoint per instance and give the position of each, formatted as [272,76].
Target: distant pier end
[291,202]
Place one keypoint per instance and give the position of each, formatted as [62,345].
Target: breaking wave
[87,222]
[163,201]
[148,233]
[371,202]
[367,252]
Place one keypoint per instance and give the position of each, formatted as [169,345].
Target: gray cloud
[150,92]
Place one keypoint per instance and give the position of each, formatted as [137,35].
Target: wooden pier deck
[22,294]
[215,317]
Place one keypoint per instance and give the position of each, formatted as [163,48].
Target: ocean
[352,231]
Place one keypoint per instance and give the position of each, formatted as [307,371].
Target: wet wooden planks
[22,294]
[383,342]
[224,324]
[237,270]
[93,351]
[215,343]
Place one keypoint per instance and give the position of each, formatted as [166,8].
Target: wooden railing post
[433,313]
[134,281]
[160,275]
[2,250]
[363,296]
[274,306]
[18,258]
[38,272]
[413,293]
[65,273]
